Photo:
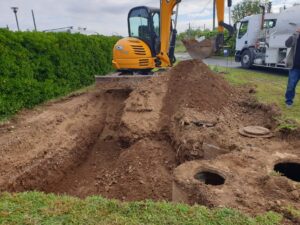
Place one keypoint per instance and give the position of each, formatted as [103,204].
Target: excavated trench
[107,164]
[112,165]
[159,141]
[84,179]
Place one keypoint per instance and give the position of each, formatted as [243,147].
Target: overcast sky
[103,16]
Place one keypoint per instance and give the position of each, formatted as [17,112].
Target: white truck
[261,38]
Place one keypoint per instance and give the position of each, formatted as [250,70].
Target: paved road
[232,64]
[222,62]
[212,61]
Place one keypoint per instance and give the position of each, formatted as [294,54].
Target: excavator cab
[144,24]
[137,52]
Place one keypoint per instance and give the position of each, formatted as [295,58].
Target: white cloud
[104,16]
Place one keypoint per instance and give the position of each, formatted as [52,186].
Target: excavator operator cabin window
[139,24]
[156,32]
[156,24]
[243,29]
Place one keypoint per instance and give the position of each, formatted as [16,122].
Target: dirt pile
[201,113]
[124,142]
[193,85]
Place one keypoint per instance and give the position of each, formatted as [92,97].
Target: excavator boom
[167,8]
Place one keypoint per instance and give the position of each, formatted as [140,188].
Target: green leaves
[246,8]
[36,67]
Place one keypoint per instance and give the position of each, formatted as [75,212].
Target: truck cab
[250,34]
[261,38]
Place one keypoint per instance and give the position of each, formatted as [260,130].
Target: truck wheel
[247,59]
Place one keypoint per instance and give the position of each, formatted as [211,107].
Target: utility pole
[214,14]
[269,7]
[15,10]
[33,18]
[229,15]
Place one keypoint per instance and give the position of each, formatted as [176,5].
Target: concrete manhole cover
[255,132]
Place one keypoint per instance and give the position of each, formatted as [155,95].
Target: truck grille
[138,50]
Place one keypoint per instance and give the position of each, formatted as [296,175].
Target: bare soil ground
[125,142]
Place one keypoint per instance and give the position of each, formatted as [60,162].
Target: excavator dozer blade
[199,49]
[122,78]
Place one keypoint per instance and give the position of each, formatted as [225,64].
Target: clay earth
[173,137]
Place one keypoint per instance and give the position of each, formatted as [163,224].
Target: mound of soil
[193,85]
[124,142]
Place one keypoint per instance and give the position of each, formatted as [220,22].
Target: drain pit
[289,170]
[124,144]
[210,178]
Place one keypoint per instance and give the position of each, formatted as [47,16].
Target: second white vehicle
[261,38]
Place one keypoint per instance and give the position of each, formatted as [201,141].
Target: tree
[245,8]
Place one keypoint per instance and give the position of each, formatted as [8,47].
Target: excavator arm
[220,6]
[167,8]
[166,12]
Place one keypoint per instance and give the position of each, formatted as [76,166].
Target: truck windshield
[139,24]
[243,29]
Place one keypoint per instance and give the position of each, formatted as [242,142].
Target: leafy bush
[35,67]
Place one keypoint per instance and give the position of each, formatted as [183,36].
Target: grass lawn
[179,47]
[38,208]
[270,88]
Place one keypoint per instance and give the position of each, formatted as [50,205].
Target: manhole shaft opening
[290,170]
[210,178]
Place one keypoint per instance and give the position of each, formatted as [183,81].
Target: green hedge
[35,67]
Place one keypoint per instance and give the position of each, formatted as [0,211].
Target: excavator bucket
[199,49]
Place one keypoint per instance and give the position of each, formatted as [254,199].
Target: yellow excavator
[152,37]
